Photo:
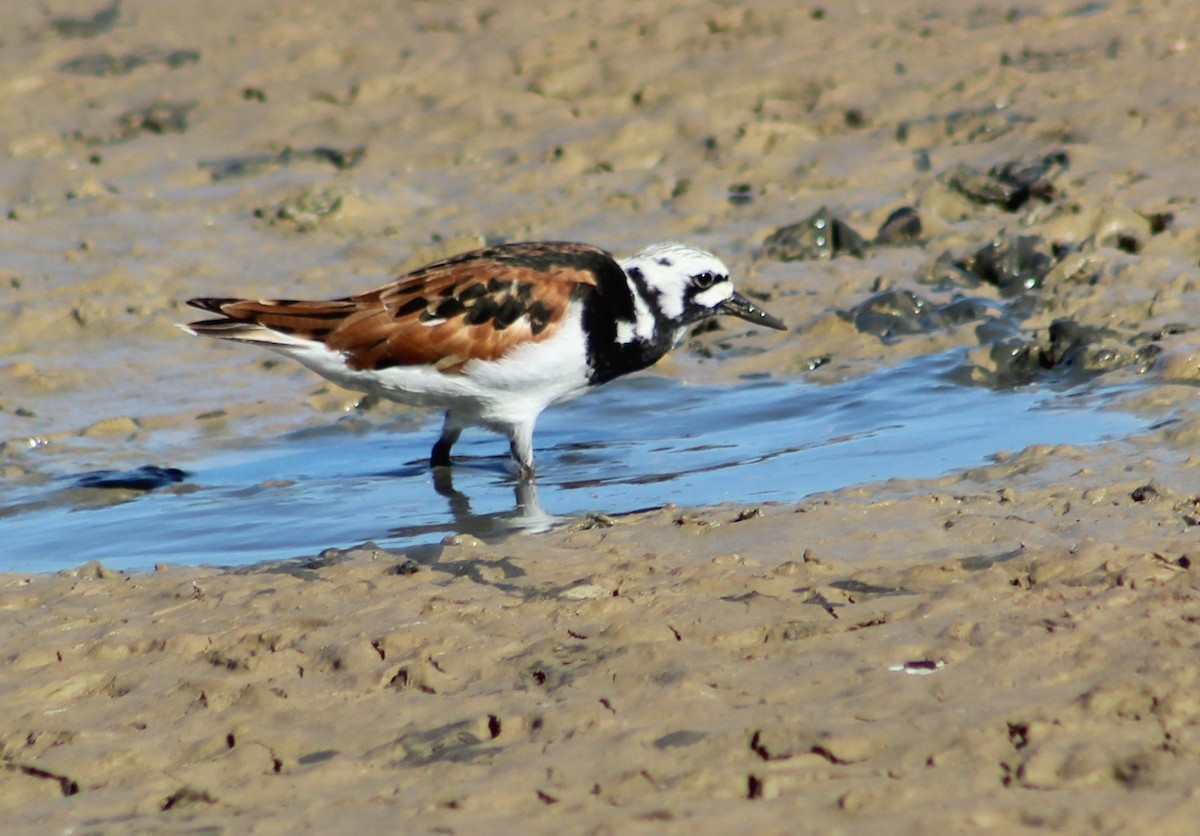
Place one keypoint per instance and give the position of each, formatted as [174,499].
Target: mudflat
[1007,647]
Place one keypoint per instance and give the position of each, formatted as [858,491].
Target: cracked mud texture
[1010,647]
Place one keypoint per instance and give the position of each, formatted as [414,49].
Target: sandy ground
[1013,647]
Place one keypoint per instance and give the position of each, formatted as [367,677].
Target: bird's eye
[705,280]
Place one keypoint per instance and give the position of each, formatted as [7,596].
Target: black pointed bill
[741,307]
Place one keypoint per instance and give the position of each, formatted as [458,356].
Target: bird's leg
[451,430]
[520,442]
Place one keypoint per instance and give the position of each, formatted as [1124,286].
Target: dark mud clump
[999,286]
[249,165]
[145,478]
[824,236]
[162,117]
[903,226]
[819,236]
[1009,185]
[892,313]
[102,64]
[87,27]
[1013,264]
[1071,351]
[959,127]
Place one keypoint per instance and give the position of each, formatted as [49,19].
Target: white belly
[507,391]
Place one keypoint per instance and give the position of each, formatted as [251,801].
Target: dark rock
[1010,185]
[1126,242]
[901,227]
[1159,222]
[1144,493]
[855,119]
[1012,264]
[1068,338]
[1073,351]
[1016,361]
[819,236]
[145,478]
[892,313]
[1169,330]
[961,311]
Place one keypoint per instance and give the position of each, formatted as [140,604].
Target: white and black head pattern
[670,287]
[680,284]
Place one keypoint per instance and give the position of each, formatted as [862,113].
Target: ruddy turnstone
[496,335]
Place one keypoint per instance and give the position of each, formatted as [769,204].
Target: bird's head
[688,285]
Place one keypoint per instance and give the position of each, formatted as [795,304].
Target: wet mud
[1006,647]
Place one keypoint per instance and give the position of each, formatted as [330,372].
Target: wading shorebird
[496,335]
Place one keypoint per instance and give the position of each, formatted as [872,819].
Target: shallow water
[641,442]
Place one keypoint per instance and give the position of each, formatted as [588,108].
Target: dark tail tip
[210,304]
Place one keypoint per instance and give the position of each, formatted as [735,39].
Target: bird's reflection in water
[527,515]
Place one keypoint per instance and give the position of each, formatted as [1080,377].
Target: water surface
[640,442]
